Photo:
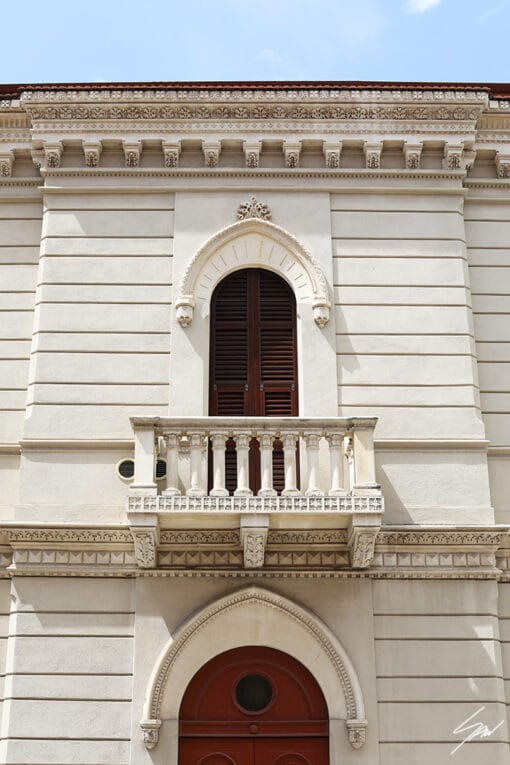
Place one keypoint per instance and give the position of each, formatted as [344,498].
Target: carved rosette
[253,209]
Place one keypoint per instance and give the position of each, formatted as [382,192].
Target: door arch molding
[254,616]
[253,243]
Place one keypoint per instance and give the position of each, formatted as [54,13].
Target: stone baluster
[312,457]
[266,441]
[196,440]
[289,457]
[242,441]
[144,482]
[364,460]
[336,442]
[172,464]
[218,440]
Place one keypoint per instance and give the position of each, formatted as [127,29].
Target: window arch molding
[253,243]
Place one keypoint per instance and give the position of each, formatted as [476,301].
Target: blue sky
[445,40]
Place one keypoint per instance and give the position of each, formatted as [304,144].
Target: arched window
[253,358]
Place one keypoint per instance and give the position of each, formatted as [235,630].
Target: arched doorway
[253,706]
[253,358]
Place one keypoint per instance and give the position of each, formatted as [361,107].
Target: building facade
[255,424]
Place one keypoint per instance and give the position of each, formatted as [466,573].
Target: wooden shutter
[253,364]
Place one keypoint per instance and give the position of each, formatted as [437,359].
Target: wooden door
[253,706]
[253,360]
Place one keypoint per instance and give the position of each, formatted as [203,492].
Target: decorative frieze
[247,504]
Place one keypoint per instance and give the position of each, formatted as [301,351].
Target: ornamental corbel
[171,152]
[150,729]
[361,539]
[321,311]
[185,308]
[132,153]
[92,152]
[357,730]
[291,152]
[144,529]
[254,530]
[6,163]
[332,153]
[412,155]
[372,152]
[211,151]
[53,153]
[453,156]
[502,165]
[37,158]
[252,153]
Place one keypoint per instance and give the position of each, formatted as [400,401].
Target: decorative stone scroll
[219,257]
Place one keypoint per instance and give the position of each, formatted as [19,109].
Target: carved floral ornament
[254,217]
[293,619]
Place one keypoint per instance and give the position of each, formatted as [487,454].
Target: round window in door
[253,706]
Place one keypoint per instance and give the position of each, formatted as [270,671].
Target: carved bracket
[332,153]
[211,151]
[6,163]
[254,530]
[372,153]
[252,153]
[291,152]
[132,153]
[412,155]
[361,540]
[53,153]
[150,729]
[92,151]
[144,529]
[171,152]
[503,165]
[357,730]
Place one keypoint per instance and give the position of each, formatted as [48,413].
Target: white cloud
[420,6]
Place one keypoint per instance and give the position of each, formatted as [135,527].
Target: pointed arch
[253,243]
[254,616]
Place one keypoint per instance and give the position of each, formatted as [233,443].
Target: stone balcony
[327,480]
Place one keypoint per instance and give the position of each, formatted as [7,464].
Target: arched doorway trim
[259,243]
[236,618]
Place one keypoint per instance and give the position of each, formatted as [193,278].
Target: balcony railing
[348,440]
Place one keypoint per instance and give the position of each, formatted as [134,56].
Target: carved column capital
[171,152]
[132,153]
[211,151]
[92,151]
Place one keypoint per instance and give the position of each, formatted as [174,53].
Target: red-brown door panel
[292,751]
[216,751]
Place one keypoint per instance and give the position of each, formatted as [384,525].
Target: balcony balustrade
[336,469]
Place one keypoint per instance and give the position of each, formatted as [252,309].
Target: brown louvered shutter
[253,365]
